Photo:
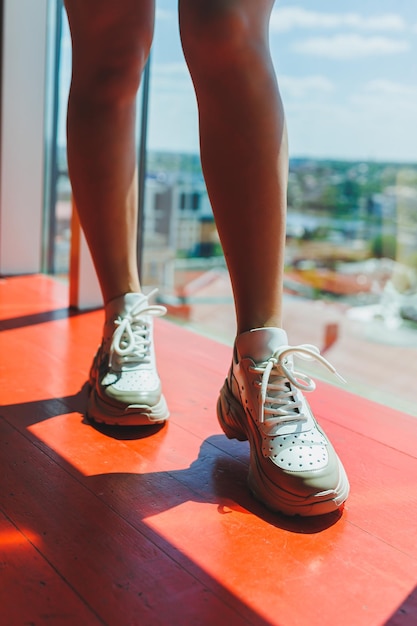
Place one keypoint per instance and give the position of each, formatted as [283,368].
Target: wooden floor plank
[140,514]
[211,496]
[406,613]
[31,591]
[125,576]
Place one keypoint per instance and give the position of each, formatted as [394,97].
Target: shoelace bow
[130,342]
[283,405]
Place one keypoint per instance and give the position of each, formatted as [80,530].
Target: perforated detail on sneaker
[291,460]
[297,452]
[125,368]
[273,444]
[143,380]
[301,458]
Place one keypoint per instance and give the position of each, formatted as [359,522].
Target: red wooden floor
[127,527]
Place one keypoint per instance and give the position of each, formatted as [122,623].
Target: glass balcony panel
[351,254]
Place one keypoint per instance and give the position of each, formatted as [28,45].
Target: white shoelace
[278,400]
[131,339]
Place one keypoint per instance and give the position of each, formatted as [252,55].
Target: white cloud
[177,69]
[362,127]
[173,119]
[350,46]
[172,77]
[389,88]
[165,14]
[394,99]
[384,111]
[287,18]
[299,87]
[387,22]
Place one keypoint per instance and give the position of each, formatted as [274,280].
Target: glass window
[57,187]
[349,84]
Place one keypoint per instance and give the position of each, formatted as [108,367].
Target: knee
[108,70]
[218,38]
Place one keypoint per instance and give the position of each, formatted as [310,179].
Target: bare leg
[111,41]
[243,146]
[293,467]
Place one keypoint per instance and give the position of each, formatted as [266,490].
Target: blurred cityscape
[351,229]
[351,262]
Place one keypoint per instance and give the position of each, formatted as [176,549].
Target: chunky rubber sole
[234,423]
[98,410]
[105,412]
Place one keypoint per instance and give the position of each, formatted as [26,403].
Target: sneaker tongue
[261,343]
[122,305]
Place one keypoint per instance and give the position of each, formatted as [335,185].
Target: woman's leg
[293,466]
[243,146]
[111,42]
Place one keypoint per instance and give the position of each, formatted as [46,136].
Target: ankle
[257,324]
[117,295]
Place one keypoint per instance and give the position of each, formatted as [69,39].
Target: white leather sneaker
[125,385]
[294,469]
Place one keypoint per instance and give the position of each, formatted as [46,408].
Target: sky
[347,73]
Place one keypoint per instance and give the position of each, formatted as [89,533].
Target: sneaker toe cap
[304,475]
[148,398]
